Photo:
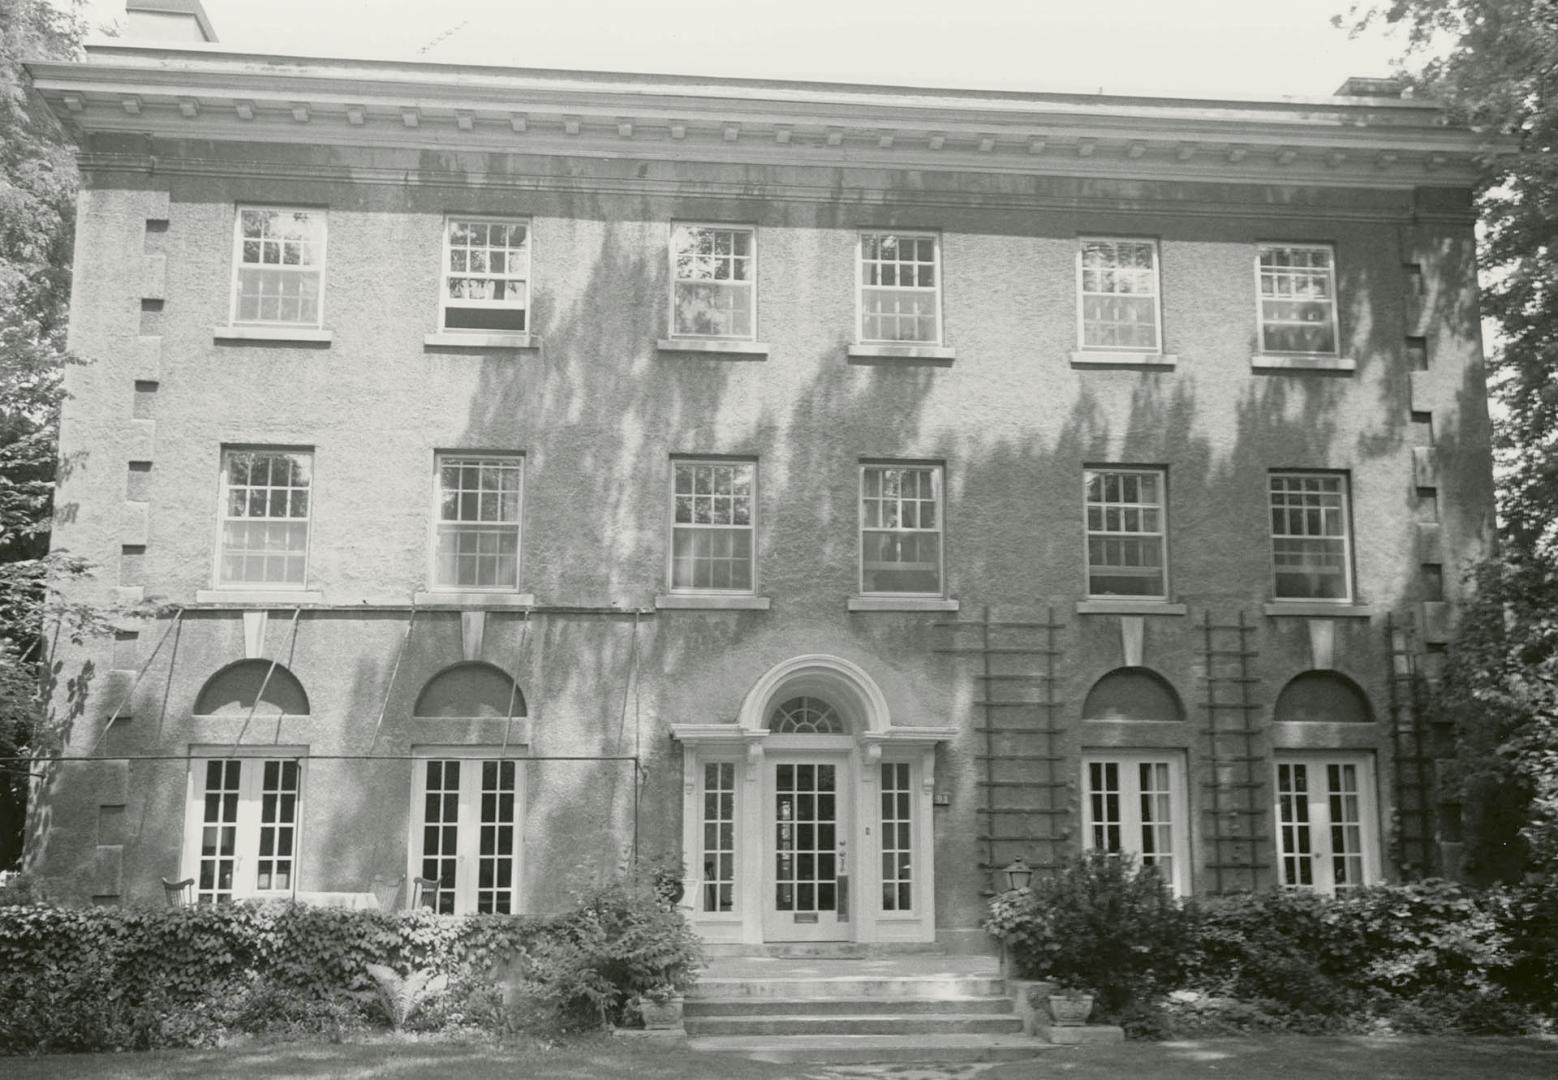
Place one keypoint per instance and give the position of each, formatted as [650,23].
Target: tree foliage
[1494,63]
[37,202]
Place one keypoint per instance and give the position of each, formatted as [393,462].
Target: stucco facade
[629,695]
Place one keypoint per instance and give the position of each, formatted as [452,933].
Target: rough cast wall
[597,413]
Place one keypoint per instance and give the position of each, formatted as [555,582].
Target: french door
[806,829]
[241,828]
[466,836]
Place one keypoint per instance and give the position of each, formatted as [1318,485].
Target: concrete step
[851,986]
[696,1007]
[893,1049]
[901,1024]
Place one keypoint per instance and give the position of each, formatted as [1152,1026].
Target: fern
[401,996]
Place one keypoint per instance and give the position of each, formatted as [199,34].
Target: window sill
[742,350]
[268,597]
[711,602]
[1267,362]
[298,334]
[1319,609]
[901,603]
[454,598]
[929,353]
[477,339]
[1130,607]
[1123,358]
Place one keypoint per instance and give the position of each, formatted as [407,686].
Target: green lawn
[1286,1057]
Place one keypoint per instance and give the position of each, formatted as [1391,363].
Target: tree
[37,203]
[1494,63]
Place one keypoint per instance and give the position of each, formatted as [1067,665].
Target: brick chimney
[169,21]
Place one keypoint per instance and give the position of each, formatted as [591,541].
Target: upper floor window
[278,267]
[486,275]
[1126,531]
[477,541]
[265,514]
[1297,298]
[1310,540]
[1118,302]
[714,281]
[900,288]
[712,512]
[900,529]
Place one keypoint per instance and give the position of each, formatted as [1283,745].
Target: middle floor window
[1310,546]
[900,529]
[477,542]
[712,526]
[1126,533]
[264,518]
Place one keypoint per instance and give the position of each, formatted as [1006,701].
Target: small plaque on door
[805,916]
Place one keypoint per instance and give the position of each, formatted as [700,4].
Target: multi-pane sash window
[265,514]
[900,529]
[711,532]
[278,266]
[719,836]
[900,288]
[467,834]
[1126,528]
[242,833]
[1309,536]
[1325,823]
[714,271]
[1119,294]
[478,522]
[486,275]
[1297,299]
[1135,803]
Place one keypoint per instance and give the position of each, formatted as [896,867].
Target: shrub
[1103,923]
[622,939]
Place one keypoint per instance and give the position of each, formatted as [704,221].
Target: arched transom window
[806,716]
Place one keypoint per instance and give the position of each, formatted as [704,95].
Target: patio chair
[424,893]
[179,893]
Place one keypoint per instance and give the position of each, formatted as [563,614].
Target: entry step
[700,1007]
[855,1049]
[860,1024]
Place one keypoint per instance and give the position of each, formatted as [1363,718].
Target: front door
[806,848]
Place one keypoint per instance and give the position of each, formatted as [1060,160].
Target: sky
[1258,48]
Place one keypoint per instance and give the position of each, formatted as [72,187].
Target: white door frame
[873,740]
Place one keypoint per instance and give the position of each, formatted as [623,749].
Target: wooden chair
[424,892]
[179,893]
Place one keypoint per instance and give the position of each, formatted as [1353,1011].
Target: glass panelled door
[468,835]
[808,875]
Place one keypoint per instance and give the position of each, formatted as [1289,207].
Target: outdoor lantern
[1018,873]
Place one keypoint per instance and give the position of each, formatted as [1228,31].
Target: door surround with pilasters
[730,841]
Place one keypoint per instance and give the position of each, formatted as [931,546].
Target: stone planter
[1070,1011]
[661,1015]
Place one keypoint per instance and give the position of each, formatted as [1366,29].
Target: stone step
[770,1006]
[901,1024]
[889,1049]
[851,986]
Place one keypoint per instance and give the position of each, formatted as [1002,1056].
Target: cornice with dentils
[206,92]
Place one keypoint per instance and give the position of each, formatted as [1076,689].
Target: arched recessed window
[1325,696]
[805,716]
[1132,693]
[470,690]
[234,690]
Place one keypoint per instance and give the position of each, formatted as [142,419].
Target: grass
[1284,1057]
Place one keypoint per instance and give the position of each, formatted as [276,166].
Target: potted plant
[1070,1006]
[660,1007]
